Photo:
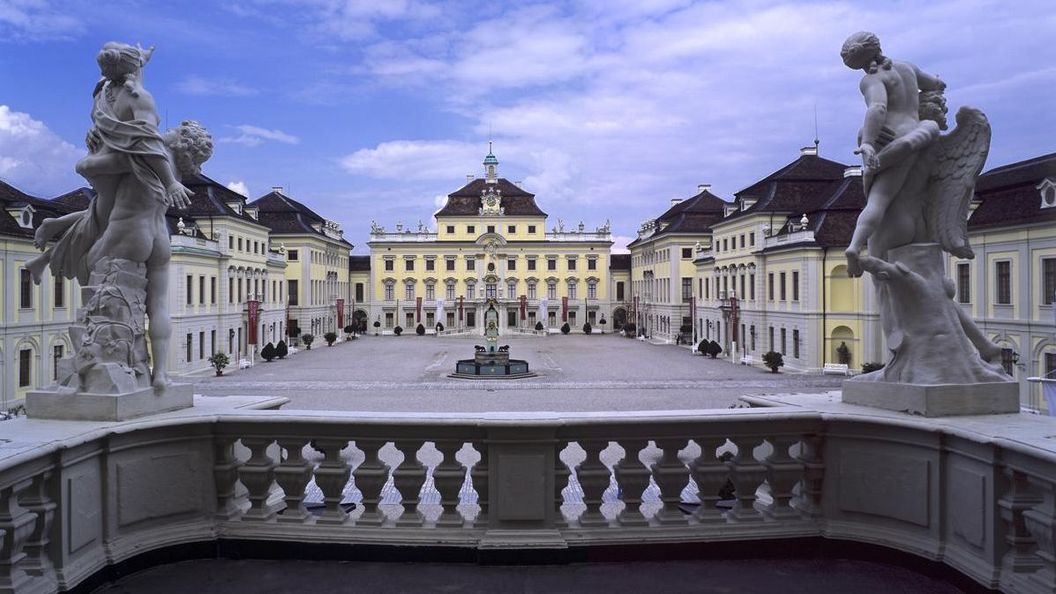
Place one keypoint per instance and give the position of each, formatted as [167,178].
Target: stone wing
[957,159]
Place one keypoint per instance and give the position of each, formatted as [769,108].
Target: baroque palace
[762,271]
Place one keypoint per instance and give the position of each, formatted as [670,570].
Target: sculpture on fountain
[919,184]
[118,249]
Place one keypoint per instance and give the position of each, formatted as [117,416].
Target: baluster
[561,477]
[331,476]
[293,475]
[479,476]
[258,475]
[1021,556]
[593,477]
[1041,523]
[710,474]
[747,474]
[409,477]
[448,476]
[225,473]
[16,527]
[371,476]
[672,476]
[633,479]
[810,487]
[36,500]
[782,474]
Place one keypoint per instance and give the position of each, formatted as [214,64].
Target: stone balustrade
[78,496]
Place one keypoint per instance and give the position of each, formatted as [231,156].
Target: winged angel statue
[919,184]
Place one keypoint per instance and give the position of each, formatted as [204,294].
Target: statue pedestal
[47,404]
[939,400]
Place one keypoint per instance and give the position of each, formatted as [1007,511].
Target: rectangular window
[189,346]
[771,338]
[359,292]
[239,249]
[450,267]
[60,291]
[1004,282]
[408,292]
[1048,280]
[571,290]
[725,244]
[795,344]
[964,283]
[770,279]
[795,285]
[56,356]
[705,288]
[551,291]
[491,291]
[751,239]
[201,345]
[784,346]
[571,264]
[212,290]
[471,229]
[25,286]
[592,264]
[531,290]
[511,318]
[742,240]
[201,289]
[511,264]
[783,292]
[471,264]
[451,229]
[25,368]
[390,265]
[291,290]
[190,289]
[551,264]
[410,320]
[451,292]
[511,229]
[430,265]
[531,229]
[1050,364]
[687,289]
[531,264]
[592,290]
[230,290]
[619,291]
[491,228]
[408,265]
[752,335]
[238,287]
[389,292]
[230,242]
[388,319]
[741,294]
[687,252]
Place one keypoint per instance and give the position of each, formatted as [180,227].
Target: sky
[606,110]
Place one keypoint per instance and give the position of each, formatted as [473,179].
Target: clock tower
[491,167]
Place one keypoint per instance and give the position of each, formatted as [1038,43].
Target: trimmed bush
[377,325]
[602,323]
[439,327]
[773,360]
[281,350]
[871,367]
[420,330]
[219,361]
[587,328]
[268,352]
[629,330]
[397,330]
[330,337]
[307,339]
[702,346]
[349,329]
[714,349]
[565,328]
[538,325]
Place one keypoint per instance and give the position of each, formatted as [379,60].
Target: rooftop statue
[118,248]
[919,184]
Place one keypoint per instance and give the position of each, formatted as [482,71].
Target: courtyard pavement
[576,373]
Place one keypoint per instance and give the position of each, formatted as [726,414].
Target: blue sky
[605,110]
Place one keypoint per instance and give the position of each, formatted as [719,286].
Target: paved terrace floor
[768,576]
[576,373]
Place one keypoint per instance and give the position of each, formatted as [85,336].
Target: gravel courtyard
[576,373]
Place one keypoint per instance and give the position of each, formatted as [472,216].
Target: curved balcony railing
[76,497]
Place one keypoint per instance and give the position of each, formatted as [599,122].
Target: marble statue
[491,327]
[918,184]
[118,248]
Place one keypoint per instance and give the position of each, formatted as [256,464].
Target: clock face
[491,201]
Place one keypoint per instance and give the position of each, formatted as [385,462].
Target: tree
[871,367]
[281,350]
[565,328]
[330,337]
[377,325]
[397,330]
[268,352]
[587,328]
[307,340]
[420,330]
[219,361]
[714,349]
[773,360]
[538,325]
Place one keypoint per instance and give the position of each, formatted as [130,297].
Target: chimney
[701,188]
[809,151]
[853,171]
[276,189]
[470,177]
[675,201]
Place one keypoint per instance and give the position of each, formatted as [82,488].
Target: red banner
[418,309]
[564,309]
[340,314]
[254,313]
[524,307]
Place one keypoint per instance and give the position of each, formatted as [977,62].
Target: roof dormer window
[23,214]
[1047,188]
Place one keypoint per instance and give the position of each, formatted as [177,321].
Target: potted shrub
[219,361]
[587,328]
[714,349]
[538,325]
[773,360]
[565,328]
[330,337]
[397,330]
[871,367]
[281,350]
[601,322]
[439,328]
[377,325]
[307,340]
[268,352]
[703,346]
[349,329]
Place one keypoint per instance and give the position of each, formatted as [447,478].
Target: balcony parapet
[975,493]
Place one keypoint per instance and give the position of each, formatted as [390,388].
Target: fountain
[492,361]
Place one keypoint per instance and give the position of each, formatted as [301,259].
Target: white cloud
[619,243]
[201,86]
[413,159]
[33,158]
[239,187]
[36,20]
[250,135]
